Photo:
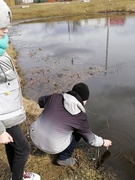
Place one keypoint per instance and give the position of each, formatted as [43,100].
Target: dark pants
[17,152]
[67,153]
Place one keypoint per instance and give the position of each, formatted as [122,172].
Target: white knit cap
[5,14]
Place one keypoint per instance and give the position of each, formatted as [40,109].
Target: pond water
[54,56]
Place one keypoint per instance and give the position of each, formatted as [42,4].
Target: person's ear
[84,102]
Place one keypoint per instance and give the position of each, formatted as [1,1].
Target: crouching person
[63,123]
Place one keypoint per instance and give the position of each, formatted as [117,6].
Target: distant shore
[72,9]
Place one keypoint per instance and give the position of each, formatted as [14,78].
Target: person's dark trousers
[67,153]
[17,152]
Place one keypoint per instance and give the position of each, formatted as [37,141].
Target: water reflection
[111,114]
[53,56]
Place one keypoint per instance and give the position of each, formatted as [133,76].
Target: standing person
[11,108]
[63,123]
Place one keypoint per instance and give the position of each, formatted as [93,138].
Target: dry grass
[74,9]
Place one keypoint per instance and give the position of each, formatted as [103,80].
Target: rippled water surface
[52,54]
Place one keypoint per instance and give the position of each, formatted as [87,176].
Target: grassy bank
[72,9]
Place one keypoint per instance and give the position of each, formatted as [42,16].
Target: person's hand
[107,143]
[5,138]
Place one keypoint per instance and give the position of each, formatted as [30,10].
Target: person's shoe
[30,176]
[67,162]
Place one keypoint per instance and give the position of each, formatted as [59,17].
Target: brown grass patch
[74,9]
